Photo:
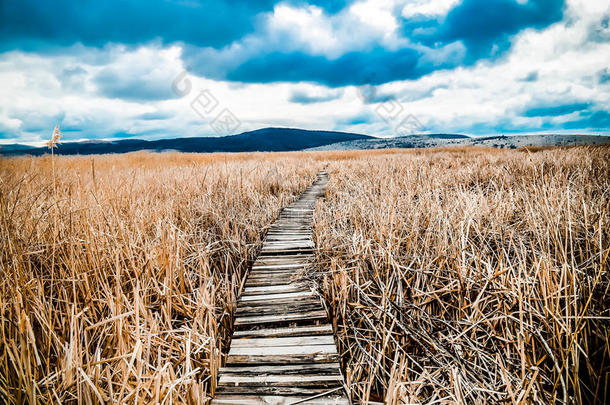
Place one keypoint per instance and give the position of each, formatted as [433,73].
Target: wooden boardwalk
[282,350]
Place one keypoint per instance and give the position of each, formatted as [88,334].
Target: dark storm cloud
[374,67]
[482,24]
[35,23]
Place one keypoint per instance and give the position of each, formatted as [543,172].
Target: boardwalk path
[282,351]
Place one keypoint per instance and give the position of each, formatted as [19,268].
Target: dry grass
[470,276]
[118,283]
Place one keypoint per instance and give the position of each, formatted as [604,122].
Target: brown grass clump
[118,283]
[470,276]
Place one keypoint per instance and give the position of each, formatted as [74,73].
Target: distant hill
[439,140]
[262,140]
[290,139]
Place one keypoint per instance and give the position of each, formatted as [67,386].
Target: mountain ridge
[276,139]
[270,139]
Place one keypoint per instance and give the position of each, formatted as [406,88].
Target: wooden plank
[281,380]
[288,331]
[287,277]
[279,269]
[242,321]
[286,248]
[283,279]
[273,390]
[303,300]
[309,369]
[277,274]
[283,358]
[283,237]
[263,297]
[313,299]
[289,243]
[285,341]
[283,350]
[295,277]
[233,399]
[299,259]
[269,265]
[276,288]
[285,251]
[261,282]
[278,310]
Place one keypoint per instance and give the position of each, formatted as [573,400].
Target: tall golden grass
[119,281]
[452,275]
[470,276]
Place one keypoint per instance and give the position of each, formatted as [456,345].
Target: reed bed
[119,273]
[452,275]
[470,276]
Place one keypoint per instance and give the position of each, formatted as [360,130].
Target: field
[467,275]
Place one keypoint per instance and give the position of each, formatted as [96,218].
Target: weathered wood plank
[309,369]
[286,259]
[312,316]
[283,350]
[262,297]
[261,282]
[229,399]
[287,331]
[273,390]
[284,341]
[283,358]
[281,302]
[281,380]
[286,309]
[277,288]
[281,266]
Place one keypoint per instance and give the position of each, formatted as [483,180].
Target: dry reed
[120,285]
[470,276]
[453,275]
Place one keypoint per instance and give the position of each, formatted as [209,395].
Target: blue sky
[166,68]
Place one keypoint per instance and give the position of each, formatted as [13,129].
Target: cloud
[354,68]
[34,23]
[603,76]
[600,30]
[270,41]
[155,116]
[315,65]
[485,27]
[112,84]
[307,44]
[555,110]
[531,77]
[310,97]
[371,95]
[362,117]
[598,120]
[143,75]
[72,78]
[427,8]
